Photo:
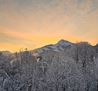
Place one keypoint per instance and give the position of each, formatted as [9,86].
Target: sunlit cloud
[34,23]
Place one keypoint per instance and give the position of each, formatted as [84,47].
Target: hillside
[63,66]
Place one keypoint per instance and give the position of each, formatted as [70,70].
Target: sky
[35,23]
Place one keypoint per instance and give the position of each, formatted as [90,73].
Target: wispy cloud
[39,22]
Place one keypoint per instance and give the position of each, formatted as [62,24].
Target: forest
[73,67]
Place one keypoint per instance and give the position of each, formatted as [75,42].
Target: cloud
[34,23]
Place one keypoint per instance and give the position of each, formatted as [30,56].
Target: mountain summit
[64,42]
[63,66]
[61,45]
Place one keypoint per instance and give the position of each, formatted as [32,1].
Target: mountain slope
[63,66]
[59,46]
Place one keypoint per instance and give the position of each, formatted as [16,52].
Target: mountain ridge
[63,66]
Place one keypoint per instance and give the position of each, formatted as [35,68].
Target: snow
[62,67]
[63,43]
[59,46]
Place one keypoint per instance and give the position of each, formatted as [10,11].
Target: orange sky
[35,23]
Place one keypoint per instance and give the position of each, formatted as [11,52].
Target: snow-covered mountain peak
[63,43]
[58,47]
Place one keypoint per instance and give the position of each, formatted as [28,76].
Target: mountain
[96,47]
[6,53]
[63,66]
[58,47]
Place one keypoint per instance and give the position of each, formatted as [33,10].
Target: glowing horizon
[35,23]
